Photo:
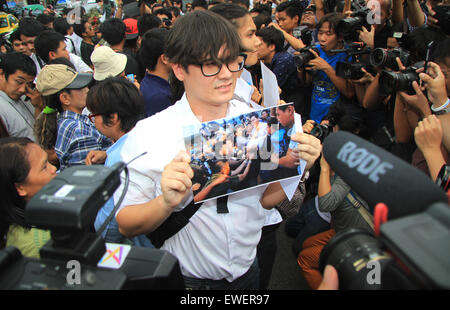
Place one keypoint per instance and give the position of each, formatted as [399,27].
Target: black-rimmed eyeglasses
[210,68]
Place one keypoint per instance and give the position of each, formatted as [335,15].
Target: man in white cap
[108,63]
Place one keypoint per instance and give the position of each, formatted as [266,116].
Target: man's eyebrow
[44,162]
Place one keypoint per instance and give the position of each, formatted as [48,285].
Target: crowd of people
[127,78]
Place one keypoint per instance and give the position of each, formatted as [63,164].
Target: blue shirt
[283,66]
[324,93]
[111,232]
[156,92]
[76,137]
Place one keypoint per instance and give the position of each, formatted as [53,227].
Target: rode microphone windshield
[378,176]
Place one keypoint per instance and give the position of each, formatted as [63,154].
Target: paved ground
[286,274]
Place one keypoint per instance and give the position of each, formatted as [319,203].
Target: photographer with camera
[281,63]
[382,27]
[17,73]
[165,16]
[320,69]
[288,15]
[25,172]
[348,210]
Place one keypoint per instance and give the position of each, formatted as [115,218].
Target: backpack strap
[173,224]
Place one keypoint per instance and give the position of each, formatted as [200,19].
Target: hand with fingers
[309,148]
[368,37]
[428,135]
[318,63]
[418,101]
[367,78]
[308,126]
[434,82]
[176,180]
[95,157]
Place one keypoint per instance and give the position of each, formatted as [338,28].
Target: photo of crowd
[237,153]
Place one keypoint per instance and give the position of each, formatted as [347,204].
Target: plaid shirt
[77,136]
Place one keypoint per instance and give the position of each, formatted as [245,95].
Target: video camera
[305,56]
[68,206]
[351,69]
[411,250]
[349,27]
[391,81]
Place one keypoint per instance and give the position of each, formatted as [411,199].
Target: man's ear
[164,59]
[178,71]
[64,97]
[113,119]
[272,47]
[21,190]
[51,55]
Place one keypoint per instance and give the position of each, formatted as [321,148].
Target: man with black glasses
[217,247]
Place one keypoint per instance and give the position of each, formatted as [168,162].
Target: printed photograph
[233,154]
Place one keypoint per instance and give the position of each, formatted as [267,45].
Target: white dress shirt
[211,246]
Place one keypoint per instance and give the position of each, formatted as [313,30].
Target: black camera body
[391,82]
[349,27]
[384,58]
[167,22]
[349,70]
[305,56]
[321,131]
[411,253]
[303,33]
[68,206]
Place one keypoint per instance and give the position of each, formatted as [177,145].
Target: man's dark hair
[12,62]
[45,19]
[80,28]
[61,25]
[262,9]
[15,36]
[152,47]
[417,41]
[271,35]
[200,35]
[199,3]
[147,22]
[116,95]
[441,51]
[291,8]
[48,41]
[231,12]
[113,30]
[30,27]
[332,19]
[246,3]
[164,11]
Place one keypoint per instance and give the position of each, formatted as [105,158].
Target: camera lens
[350,252]
[388,81]
[304,57]
[378,57]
